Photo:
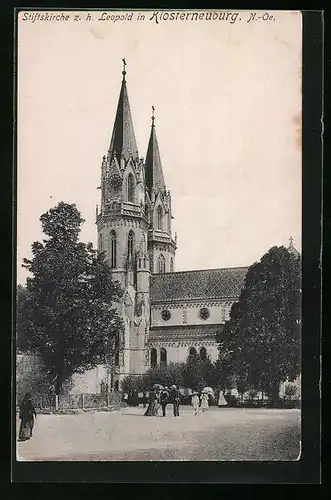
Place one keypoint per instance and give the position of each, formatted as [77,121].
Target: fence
[76,401]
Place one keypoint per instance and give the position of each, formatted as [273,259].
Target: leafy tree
[71,321]
[199,373]
[132,382]
[165,374]
[262,337]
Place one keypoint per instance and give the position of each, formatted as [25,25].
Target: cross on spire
[124,64]
[153,115]
[291,241]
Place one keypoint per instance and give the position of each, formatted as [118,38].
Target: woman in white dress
[221,399]
[204,401]
[195,403]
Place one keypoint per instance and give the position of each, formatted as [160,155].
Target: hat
[166,387]
[194,393]
[173,387]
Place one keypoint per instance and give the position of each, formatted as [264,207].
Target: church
[167,314]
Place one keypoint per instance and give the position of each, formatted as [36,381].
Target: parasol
[208,390]
[157,386]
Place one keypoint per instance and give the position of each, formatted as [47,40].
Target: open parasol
[208,390]
[157,386]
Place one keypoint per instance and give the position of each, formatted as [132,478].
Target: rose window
[166,314]
[204,313]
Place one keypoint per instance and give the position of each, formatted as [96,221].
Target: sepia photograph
[158,272]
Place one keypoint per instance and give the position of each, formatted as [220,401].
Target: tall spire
[292,249]
[123,140]
[153,166]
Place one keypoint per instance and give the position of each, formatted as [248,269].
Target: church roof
[182,332]
[225,283]
[153,165]
[123,140]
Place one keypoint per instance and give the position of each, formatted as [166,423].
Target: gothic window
[163,356]
[116,386]
[130,188]
[171,265]
[113,250]
[100,242]
[153,357]
[159,217]
[147,212]
[161,264]
[203,353]
[131,243]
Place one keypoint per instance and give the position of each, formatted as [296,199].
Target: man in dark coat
[175,396]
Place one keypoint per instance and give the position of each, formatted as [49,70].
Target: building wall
[179,351]
[30,377]
[183,313]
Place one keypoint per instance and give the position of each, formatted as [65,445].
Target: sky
[227,101]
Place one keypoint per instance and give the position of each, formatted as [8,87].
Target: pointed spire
[153,166]
[292,249]
[123,140]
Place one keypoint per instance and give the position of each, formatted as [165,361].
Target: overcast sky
[228,120]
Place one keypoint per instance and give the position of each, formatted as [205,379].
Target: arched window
[163,356]
[100,242]
[130,188]
[192,352]
[116,386]
[171,265]
[113,249]
[153,357]
[147,212]
[159,217]
[203,353]
[161,264]
[131,243]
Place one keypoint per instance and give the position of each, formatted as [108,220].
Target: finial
[153,116]
[124,64]
[291,241]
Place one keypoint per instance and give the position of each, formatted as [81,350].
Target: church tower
[161,245]
[122,225]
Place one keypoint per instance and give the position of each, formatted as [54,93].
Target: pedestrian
[221,399]
[151,404]
[144,400]
[195,402]
[164,400]
[27,415]
[157,403]
[175,396]
[204,401]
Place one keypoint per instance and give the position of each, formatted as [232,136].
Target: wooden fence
[76,401]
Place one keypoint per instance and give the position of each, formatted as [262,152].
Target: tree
[262,337]
[165,374]
[71,321]
[199,373]
[133,382]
